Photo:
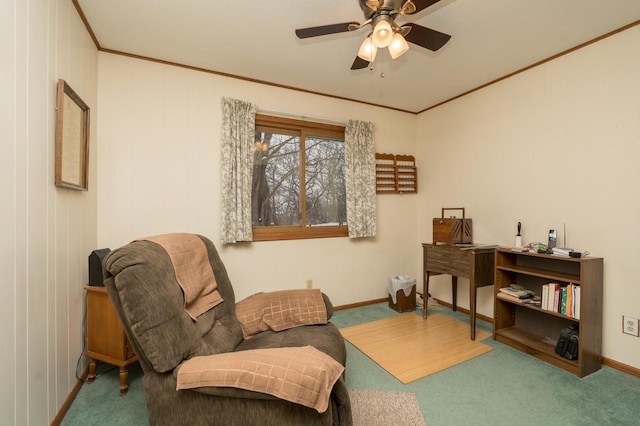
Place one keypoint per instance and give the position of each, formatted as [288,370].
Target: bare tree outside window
[290,155]
[325,185]
[275,194]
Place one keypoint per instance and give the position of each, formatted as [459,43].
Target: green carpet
[502,387]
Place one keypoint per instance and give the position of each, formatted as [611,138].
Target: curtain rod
[301,117]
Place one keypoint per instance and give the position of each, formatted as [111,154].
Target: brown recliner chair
[141,281]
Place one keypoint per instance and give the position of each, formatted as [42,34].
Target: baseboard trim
[440,302]
[359,304]
[605,361]
[621,367]
[465,311]
[57,420]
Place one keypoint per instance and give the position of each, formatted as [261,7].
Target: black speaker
[95,266]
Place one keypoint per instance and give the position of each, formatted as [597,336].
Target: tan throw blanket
[302,375]
[193,270]
[281,310]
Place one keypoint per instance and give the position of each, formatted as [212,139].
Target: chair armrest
[303,375]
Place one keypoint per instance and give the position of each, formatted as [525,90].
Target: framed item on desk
[72,139]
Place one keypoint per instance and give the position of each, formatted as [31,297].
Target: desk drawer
[448,261]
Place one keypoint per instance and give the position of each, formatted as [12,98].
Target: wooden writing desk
[475,263]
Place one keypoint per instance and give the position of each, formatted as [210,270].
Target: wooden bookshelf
[534,330]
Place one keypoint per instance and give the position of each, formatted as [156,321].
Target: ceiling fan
[381,15]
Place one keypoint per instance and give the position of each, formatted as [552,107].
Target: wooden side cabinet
[106,340]
[534,330]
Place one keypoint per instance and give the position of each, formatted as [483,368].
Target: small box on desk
[404,303]
[452,230]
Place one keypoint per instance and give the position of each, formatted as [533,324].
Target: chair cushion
[281,310]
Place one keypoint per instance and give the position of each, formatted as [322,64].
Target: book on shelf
[557,299]
[576,302]
[573,301]
[531,300]
[569,290]
[552,300]
[535,301]
[509,296]
[562,299]
[517,292]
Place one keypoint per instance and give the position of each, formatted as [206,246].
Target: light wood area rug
[384,408]
[411,348]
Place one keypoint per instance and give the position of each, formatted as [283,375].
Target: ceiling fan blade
[422,5]
[359,63]
[426,37]
[324,30]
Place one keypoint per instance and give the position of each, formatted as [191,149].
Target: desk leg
[425,294]
[454,293]
[472,307]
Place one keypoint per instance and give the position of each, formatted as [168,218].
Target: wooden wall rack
[396,174]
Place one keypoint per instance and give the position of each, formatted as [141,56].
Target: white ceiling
[256,40]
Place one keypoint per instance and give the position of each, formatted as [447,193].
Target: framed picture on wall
[72,139]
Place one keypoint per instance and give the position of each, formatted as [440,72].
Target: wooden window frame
[276,233]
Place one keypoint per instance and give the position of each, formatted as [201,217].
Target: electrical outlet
[630,325]
[310,285]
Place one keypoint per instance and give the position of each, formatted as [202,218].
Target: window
[298,188]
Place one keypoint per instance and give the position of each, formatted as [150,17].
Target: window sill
[276,233]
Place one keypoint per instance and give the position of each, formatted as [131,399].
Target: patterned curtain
[238,132]
[360,176]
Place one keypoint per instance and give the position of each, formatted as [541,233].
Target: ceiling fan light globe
[398,46]
[368,50]
[382,34]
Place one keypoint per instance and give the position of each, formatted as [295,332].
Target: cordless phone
[552,240]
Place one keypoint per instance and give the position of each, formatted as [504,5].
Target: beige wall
[159,172]
[46,233]
[556,145]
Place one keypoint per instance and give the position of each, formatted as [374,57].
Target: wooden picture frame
[72,139]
